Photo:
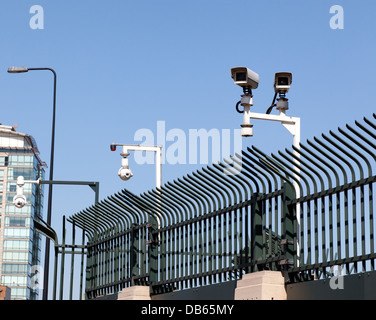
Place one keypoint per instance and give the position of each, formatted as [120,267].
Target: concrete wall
[267,286]
[219,291]
[360,286]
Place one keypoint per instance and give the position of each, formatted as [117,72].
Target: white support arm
[158,163]
[158,158]
[19,200]
[292,124]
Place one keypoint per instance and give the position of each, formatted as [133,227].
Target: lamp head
[17,69]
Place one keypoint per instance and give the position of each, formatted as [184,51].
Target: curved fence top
[338,158]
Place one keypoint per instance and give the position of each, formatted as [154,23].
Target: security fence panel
[208,227]
[301,211]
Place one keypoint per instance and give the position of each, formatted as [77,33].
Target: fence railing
[241,216]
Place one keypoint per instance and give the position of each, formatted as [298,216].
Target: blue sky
[124,65]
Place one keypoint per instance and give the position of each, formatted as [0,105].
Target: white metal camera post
[248,80]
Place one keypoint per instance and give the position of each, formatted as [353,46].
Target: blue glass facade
[19,244]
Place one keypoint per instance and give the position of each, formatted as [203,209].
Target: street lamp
[49,206]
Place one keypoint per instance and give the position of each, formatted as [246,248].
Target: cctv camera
[245,77]
[282,82]
[19,200]
[125,173]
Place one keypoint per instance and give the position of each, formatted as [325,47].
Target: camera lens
[283,81]
[241,76]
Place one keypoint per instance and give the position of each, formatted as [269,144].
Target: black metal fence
[301,211]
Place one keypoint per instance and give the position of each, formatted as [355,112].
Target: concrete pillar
[135,293]
[262,285]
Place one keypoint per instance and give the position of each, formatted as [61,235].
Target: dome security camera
[19,200]
[125,173]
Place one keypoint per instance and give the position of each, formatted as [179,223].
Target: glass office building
[19,244]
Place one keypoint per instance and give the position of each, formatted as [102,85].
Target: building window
[16,244]
[14,173]
[20,293]
[12,186]
[17,233]
[15,268]
[14,281]
[10,196]
[21,160]
[16,256]
[12,209]
[17,222]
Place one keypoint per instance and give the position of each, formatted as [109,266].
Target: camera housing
[245,77]
[125,173]
[282,82]
[19,200]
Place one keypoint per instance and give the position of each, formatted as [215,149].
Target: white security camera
[125,173]
[282,82]
[245,77]
[19,200]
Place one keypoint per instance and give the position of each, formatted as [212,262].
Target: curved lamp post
[49,207]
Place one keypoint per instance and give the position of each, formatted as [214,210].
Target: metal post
[289,229]
[256,233]
[134,246]
[153,254]
[55,272]
[62,261]
[51,176]
[158,161]
[158,167]
[49,206]
[95,187]
[72,261]
[292,124]
[82,264]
